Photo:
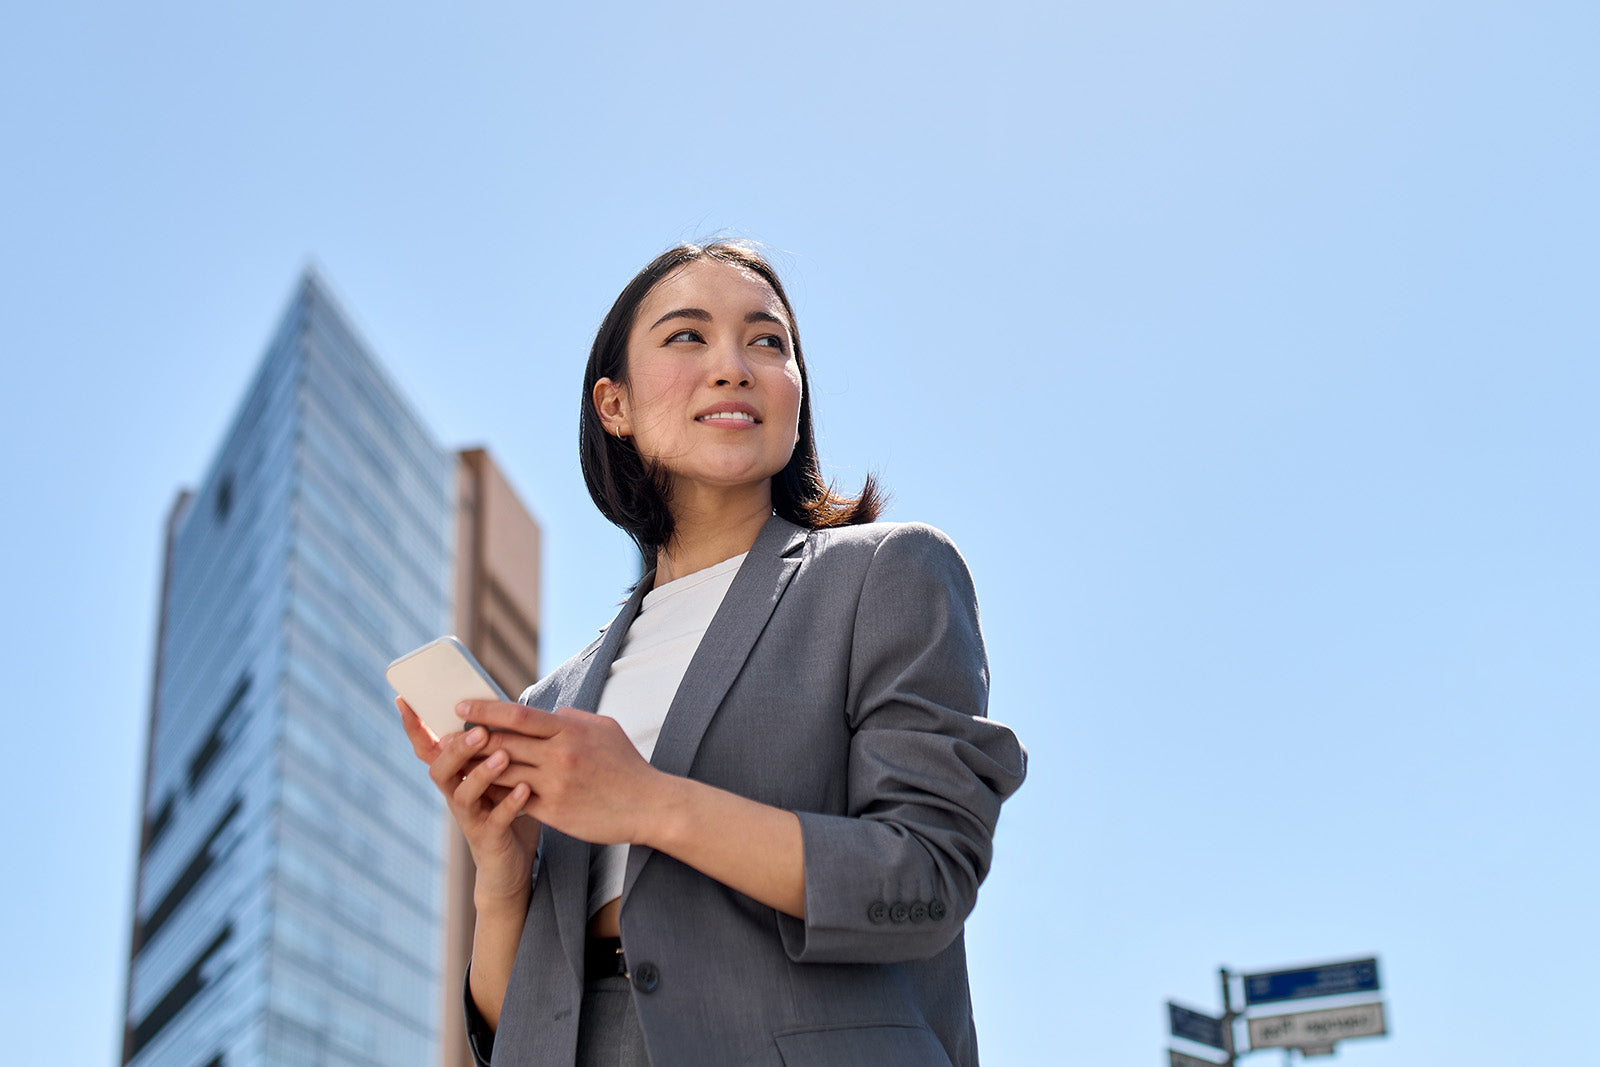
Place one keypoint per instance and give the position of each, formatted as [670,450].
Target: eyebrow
[701,315]
[683,313]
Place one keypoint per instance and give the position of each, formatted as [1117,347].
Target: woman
[751,818]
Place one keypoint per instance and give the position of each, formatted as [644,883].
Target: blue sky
[1248,351]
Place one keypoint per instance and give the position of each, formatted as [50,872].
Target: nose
[729,366]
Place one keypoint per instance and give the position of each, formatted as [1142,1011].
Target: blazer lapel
[567,858]
[743,614]
[564,863]
[587,698]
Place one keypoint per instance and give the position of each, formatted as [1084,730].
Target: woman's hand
[588,781]
[582,774]
[502,839]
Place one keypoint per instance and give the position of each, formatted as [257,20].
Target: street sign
[1323,980]
[1183,1059]
[1195,1026]
[1316,1029]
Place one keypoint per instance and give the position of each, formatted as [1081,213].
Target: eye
[685,336]
[771,340]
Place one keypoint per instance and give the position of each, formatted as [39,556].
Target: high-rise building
[292,901]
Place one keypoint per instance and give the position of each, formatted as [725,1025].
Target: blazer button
[935,910]
[646,977]
[877,912]
[900,912]
[919,912]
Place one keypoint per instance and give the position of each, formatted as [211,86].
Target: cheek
[654,387]
[797,389]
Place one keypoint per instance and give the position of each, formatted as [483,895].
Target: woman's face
[713,390]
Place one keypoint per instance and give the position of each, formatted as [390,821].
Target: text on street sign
[1316,1029]
[1195,1026]
[1323,980]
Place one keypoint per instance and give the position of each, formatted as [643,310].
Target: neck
[707,531]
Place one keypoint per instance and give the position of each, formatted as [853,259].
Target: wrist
[666,814]
[501,899]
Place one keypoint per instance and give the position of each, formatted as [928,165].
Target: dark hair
[633,492]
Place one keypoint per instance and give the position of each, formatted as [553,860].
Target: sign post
[1227,1016]
[1314,1033]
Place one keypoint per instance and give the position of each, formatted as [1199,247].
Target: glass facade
[289,897]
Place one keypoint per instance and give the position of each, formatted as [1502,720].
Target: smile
[727,416]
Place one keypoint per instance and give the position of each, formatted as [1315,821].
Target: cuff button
[877,912]
[936,910]
[919,912]
[900,912]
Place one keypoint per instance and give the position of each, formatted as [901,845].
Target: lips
[735,414]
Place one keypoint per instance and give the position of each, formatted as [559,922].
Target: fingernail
[476,736]
[496,759]
[462,709]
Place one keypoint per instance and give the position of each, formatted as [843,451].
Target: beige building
[497,617]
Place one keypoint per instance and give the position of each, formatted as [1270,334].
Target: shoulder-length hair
[633,492]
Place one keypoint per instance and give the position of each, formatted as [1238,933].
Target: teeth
[739,415]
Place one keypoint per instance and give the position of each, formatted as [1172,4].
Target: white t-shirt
[644,678]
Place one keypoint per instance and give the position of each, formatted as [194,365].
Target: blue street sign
[1324,980]
[1195,1026]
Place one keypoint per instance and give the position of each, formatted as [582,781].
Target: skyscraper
[290,901]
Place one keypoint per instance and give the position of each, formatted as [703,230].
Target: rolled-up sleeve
[895,876]
[480,1039]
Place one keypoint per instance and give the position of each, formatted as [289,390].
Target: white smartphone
[436,677]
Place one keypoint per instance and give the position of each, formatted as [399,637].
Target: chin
[726,480]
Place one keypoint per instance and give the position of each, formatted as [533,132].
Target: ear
[610,403]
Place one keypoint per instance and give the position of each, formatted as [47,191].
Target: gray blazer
[843,678]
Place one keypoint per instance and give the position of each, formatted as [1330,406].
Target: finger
[520,748]
[509,807]
[448,767]
[525,747]
[502,715]
[424,744]
[514,774]
[470,789]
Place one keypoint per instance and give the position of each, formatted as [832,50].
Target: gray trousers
[608,1026]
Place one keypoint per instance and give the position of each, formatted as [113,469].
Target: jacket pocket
[889,1045]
